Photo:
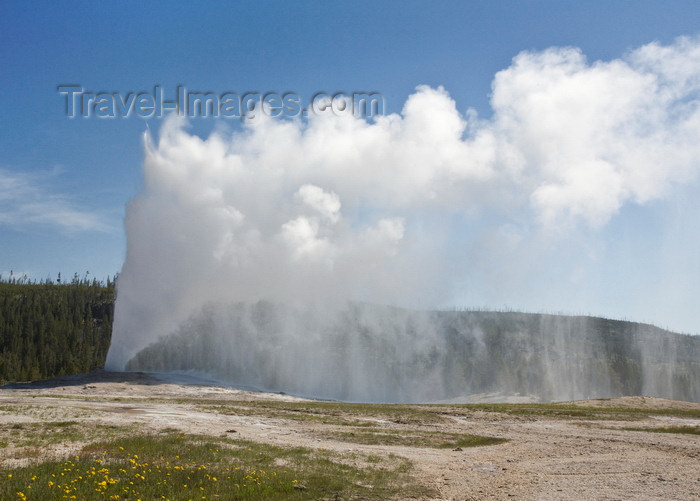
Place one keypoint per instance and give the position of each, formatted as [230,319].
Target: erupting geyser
[268,247]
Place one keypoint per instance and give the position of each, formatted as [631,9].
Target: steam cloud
[395,211]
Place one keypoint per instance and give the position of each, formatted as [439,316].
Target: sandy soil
[545,458]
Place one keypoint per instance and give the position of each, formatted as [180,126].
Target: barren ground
[547,456]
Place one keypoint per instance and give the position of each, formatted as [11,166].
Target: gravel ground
[556,458]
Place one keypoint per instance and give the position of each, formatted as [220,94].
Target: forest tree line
[53,328]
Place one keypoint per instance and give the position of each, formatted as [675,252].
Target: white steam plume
[329,209]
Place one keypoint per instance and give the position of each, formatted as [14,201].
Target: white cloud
[326,204]
[593,137]
[25,200]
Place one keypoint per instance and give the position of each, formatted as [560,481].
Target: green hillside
[51,329]
[383,354]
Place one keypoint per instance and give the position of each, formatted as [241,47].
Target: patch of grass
[412,438]
[179,466]
[52,432]
[335,413]
[683,430]
[60,424]
[291,414]
[47,412]
[12,409]
[554,410]
[33,435]
[353,414]
[30,452]
[472,441]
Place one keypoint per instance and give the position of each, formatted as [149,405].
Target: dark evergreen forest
[53,328]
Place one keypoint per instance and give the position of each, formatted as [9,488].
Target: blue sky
[64,183]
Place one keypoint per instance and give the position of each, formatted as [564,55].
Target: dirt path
[544,458]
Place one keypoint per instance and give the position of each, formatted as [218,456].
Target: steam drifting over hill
[383,354]
[418,209]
